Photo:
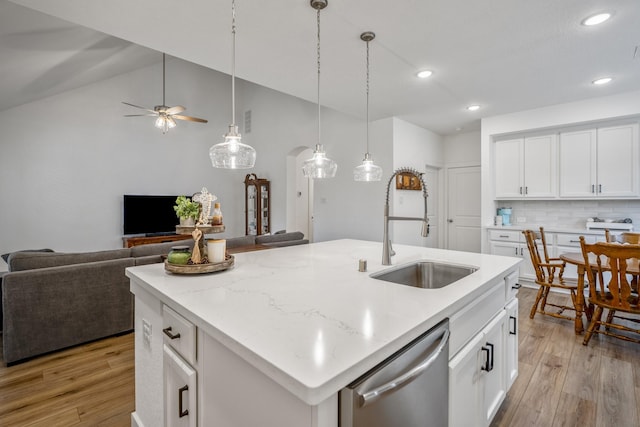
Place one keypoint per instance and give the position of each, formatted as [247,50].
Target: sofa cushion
[19,261]
[236,242]
[275,238]
[5,257]
[158,248]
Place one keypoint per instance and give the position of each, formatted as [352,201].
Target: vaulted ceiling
[504,55]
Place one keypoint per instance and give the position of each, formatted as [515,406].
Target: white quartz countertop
[307,318]
[550,229]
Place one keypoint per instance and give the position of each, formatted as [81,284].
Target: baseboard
[135,421]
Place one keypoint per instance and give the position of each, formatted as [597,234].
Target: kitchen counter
[306,317]
[549,229]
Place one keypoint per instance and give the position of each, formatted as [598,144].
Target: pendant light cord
[233,63]
[367,98]
[318,49]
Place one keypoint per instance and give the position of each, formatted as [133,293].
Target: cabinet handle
[599,188]
[520,190]
[574,241]
[516,286]
[167,332]
[593,188]
[515,325]
[526,190]
[502,236]
[521,251]
[182,413]
[516,251]
[488,364]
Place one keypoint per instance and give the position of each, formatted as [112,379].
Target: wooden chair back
[626,237]
[544,269]
[607,267]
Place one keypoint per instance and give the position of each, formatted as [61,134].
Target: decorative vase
[187,222]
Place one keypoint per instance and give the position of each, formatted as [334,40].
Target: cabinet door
[618,161]
[464,386]
[578,163]
[540,166]
[180,391]
[509,170]
[493,371]
[511,340]
[518,250]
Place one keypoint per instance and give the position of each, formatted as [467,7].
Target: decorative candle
[216,249]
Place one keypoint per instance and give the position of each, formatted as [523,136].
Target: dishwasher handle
[369,397]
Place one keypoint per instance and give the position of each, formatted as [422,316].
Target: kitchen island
[272,340]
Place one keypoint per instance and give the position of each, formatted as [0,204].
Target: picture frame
[408,181]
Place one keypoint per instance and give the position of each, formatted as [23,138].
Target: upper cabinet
[600,163]
[526,167]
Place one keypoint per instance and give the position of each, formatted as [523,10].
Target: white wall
[66,161]
[462,149]
[556,116]
[413,147]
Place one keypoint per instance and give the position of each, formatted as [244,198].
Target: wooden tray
[200,268]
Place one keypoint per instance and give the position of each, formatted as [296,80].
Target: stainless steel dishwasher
[409,389]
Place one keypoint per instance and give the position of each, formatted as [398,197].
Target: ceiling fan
[165,115]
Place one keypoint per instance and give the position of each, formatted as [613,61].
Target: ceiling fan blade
[140,115]
[137,106]
[189,118]
[175,110]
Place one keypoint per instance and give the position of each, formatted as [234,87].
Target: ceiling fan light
[319,166]
[170,122]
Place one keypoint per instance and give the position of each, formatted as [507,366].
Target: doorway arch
[299,193]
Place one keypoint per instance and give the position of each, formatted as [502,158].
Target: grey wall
[66,161]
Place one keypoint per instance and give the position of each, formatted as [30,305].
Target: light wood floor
[88,385]
[561,382]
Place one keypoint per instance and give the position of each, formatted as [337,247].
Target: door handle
[167,332]
[515,325]
[488,364]
[182,413]
[369,397]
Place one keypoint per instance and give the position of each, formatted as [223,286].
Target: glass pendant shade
[367,171]
[232,153]
[319,166]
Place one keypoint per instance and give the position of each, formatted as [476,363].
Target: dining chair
[549,273]
[610,268]
[625,237]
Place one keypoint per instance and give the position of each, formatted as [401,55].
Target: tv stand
[129,242]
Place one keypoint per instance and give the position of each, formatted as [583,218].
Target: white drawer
[505,236]
[573,239]
[179,333]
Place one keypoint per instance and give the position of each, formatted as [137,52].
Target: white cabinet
[477,376]
[526,167]
[180,391]
[512,243]
[179,377]
[511,340]
[600,162]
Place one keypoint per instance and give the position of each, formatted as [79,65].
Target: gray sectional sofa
[53,300]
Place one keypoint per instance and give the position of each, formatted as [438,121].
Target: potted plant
[187,210]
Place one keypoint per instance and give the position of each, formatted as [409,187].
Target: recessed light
[424,74]
[596,19]
[473,107]
[602,81]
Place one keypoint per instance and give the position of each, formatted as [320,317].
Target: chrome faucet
[387,249]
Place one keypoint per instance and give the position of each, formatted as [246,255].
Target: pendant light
[232,153]
[319,166]
[367,171]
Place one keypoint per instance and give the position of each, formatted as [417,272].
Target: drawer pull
[167,332]
[502,236]
[488,364]
[515,325]
[574,241]
[516,286]
[182,413]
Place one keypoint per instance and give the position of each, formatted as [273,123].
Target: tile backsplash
[571,213]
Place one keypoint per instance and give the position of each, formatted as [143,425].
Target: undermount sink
[425,274]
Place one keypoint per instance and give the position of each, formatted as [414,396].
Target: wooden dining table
[577,259]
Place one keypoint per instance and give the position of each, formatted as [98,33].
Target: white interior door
[463,213]
[299,194]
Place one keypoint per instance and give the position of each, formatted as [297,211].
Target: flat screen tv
[147,214]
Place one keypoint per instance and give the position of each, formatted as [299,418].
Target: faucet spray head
[425,228]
